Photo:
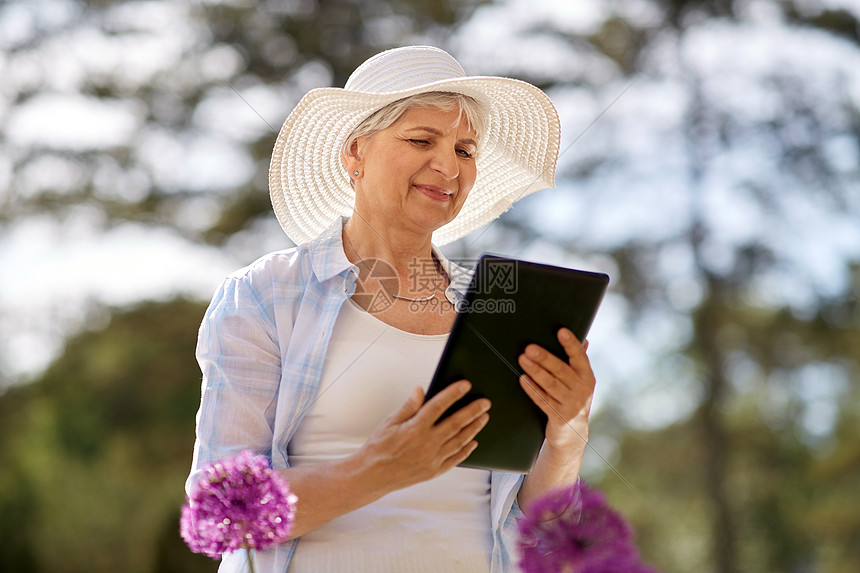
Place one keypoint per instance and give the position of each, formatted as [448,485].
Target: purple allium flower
[238,503]
[573,530]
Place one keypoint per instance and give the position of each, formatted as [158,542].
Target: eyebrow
[436,132]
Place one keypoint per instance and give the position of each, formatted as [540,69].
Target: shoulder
[282,276]
[264,289]
[288,266]
[276,280]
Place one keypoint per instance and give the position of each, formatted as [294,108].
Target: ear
[350,158]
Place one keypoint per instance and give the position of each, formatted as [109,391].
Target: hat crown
[404,69]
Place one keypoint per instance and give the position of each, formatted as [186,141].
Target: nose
[445,162]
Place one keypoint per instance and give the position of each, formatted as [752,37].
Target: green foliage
[792,496]
[100,448]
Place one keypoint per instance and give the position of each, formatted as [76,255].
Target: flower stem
[250,560]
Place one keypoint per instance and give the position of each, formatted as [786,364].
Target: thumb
[410,407]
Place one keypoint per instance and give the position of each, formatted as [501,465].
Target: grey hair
[473,110]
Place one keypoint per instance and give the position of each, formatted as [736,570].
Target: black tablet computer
[510,304]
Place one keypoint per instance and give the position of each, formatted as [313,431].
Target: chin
[433,224]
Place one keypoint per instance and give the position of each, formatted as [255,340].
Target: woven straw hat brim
[516,156]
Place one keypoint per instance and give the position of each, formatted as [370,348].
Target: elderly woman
[318,356]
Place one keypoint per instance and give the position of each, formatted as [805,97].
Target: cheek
[467,177]
[462,196]
[401,166]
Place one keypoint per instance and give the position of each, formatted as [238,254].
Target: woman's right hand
[406,448]
[409,446]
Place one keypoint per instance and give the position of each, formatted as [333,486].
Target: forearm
[556,467]
[327,491]
[408,447]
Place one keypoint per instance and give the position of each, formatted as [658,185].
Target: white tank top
[442,524]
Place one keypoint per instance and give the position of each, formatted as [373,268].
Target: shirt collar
[460,277]
[326,252]
[328,259]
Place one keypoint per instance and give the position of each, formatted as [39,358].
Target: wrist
[564,453]
[362,477]
[568,436]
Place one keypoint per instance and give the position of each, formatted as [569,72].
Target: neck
[398,247]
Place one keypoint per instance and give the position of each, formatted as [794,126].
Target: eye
[466,153]
[419,142]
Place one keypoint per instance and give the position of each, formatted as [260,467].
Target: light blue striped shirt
[261,348]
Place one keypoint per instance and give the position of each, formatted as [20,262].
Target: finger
[410,407]
[439,404]
[554,406]
[535,375]
[460,456]
[461,439]
[563,386]
[546,368]
[575,350]
[538,395]
[462,418]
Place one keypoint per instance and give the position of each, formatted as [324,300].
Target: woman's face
[418,172]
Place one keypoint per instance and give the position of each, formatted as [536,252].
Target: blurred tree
[721,191]
[100,448]
[782,484]
[18,497]
[732,161]
[170,72]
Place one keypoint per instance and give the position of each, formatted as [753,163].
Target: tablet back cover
[511,303]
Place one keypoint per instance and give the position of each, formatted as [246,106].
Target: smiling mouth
[435,191]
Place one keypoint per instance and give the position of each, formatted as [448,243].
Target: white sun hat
[516,156]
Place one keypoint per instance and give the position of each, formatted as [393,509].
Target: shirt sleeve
[505,511]
[239,357]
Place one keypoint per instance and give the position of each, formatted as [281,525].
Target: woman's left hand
[562,390]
